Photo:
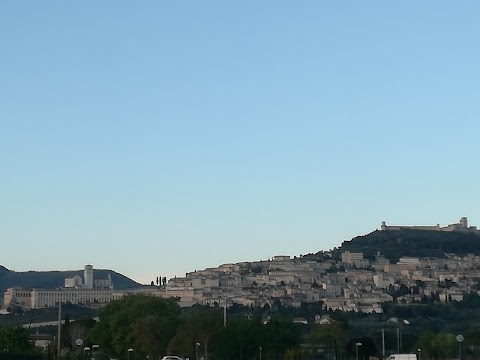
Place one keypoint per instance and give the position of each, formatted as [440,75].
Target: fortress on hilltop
[461,226]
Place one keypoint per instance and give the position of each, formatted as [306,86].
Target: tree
[366,350]
[126,322]
[439,346]
[256,269]
[331,336]
[152,334]
[80,329]
[239,340]
[444,345]
[425,342]
[200,326]
[14,340]
[65,329]
[279,335]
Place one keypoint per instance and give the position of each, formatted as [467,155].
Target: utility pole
[398,340]
[195,347]
[336,350]
[225,315]
[59,334]
[383,344]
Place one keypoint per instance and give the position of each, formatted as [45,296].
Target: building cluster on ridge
[351,283]
[76,291]
[461,226]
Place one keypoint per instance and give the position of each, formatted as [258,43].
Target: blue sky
[160,137]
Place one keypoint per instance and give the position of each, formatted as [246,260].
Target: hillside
[394,244]
[55,279]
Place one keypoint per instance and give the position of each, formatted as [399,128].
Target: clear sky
[159,137]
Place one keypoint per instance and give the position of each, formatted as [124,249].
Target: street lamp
[94,350]
[197,344]
[460,339]
[260,349]
[419,354]
[79,342]
[129,351]
[356,349]
[85,350]
[399,337]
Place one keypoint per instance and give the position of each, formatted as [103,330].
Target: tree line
[141,326]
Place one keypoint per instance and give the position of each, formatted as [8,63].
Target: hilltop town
[349,282]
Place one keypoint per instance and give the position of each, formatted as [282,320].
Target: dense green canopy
[143,322]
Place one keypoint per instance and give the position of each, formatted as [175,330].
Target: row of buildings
[350,284]
[77,290]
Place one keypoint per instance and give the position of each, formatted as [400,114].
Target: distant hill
[394,244]
[55,279]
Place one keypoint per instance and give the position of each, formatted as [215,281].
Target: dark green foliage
[78,329]
[330,337]
[256,269]
[14,340]
[145,322]
[198,326]
[365,351]
[242,338]
[21,356]
[65,330]
[470,301]
[279,335]
[394,244]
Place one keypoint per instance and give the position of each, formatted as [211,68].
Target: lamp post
[85,350]
[460,339]
[399,337]
[94,350]
[260,349]
[356,349]
[78,342]
[129,351]
[419,354]
[197,344]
